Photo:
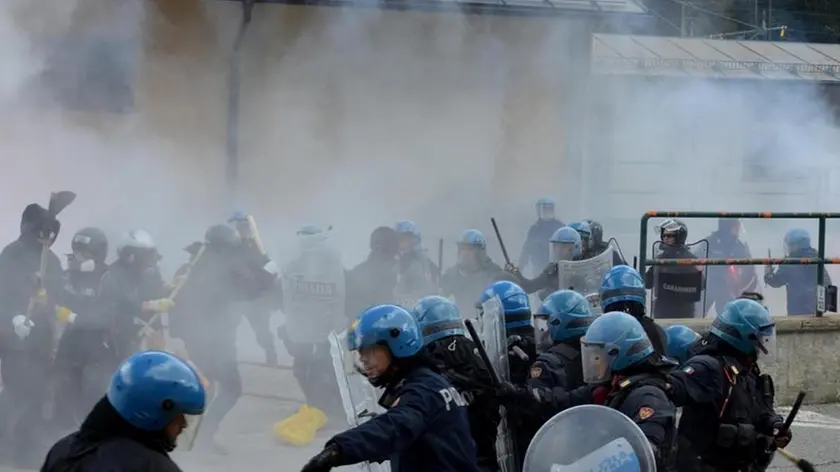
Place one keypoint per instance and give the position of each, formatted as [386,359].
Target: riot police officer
[560,322]
[728,418]
[564,245]
[624,290]
[145,413]
[681,340]
[425,426]
[676,289]
[618,356]
[454,354]
[519,327]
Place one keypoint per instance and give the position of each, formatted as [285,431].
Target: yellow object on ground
[299,429]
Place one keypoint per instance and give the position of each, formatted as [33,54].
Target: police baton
[482,353]
[501,242]
[801,464]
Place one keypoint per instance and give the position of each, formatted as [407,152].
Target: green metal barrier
[820,260]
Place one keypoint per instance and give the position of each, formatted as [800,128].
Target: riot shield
[358,397]
[495,343]
[587,438]
[585,276]
[678,284]
[314,289]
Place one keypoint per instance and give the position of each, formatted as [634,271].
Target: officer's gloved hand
[551,269]
[23,326]
[508,393]
[516,347]
[324,460]
[782,437]
[512,269]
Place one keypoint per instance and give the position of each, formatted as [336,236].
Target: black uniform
[371,283]
[204,317]
[726,283]
[520,365]
[544,284]
[728,416]
[455,357]
[800,282]
[678,288]
[122,291]
[642,397]
[25,363]
[425,428]
[556,369]
[106,442]
[81,358]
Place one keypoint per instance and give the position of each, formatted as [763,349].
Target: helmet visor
[561,251]
[186,440]
[542,337]
[766,345]
[596,362]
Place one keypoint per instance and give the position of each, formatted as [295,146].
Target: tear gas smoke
[359,118]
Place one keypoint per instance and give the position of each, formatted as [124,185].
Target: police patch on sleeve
[536,372]
[688,370]
[645,412]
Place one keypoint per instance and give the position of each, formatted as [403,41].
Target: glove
[23,326]
[508,393]
[600,393]
[781,437]
[65,315]
[324,460]
[162,305]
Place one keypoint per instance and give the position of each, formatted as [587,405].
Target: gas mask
[80,262]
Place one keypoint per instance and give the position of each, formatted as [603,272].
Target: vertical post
[643,244]
[233,105]
[821,269]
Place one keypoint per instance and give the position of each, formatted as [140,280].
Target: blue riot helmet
[613,342]
[238,216]
[152,389]
[680,340]
[438,318]
[564,315]
[309,230]
[312,239]
[748,327]
[623,289]
[390,326]
[564,245]
[545,208]
[409,235]
[471,248]
[515,303]
[797,239]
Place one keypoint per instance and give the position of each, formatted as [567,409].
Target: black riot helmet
[222,236]
[36,222]
[597,232]
[673,227]
[90,243]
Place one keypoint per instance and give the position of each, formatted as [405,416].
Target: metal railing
[820,261]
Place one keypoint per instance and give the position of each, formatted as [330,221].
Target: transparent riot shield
[589,438]
[313,285]
[674,284]
[585,276]
[415,281]
[358,397]
[495,343]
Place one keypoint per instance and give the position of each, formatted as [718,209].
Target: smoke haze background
[359,118]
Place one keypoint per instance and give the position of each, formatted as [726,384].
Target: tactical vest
[666,454]
[738,443]
[567,357]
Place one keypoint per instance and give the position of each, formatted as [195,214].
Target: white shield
[587,438]
[359,398]
[415,281]
[495,343]
[584,277]
[314,289]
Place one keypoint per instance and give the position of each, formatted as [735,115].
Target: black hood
[103,422]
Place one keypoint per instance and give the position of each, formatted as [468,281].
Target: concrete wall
[808,357]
